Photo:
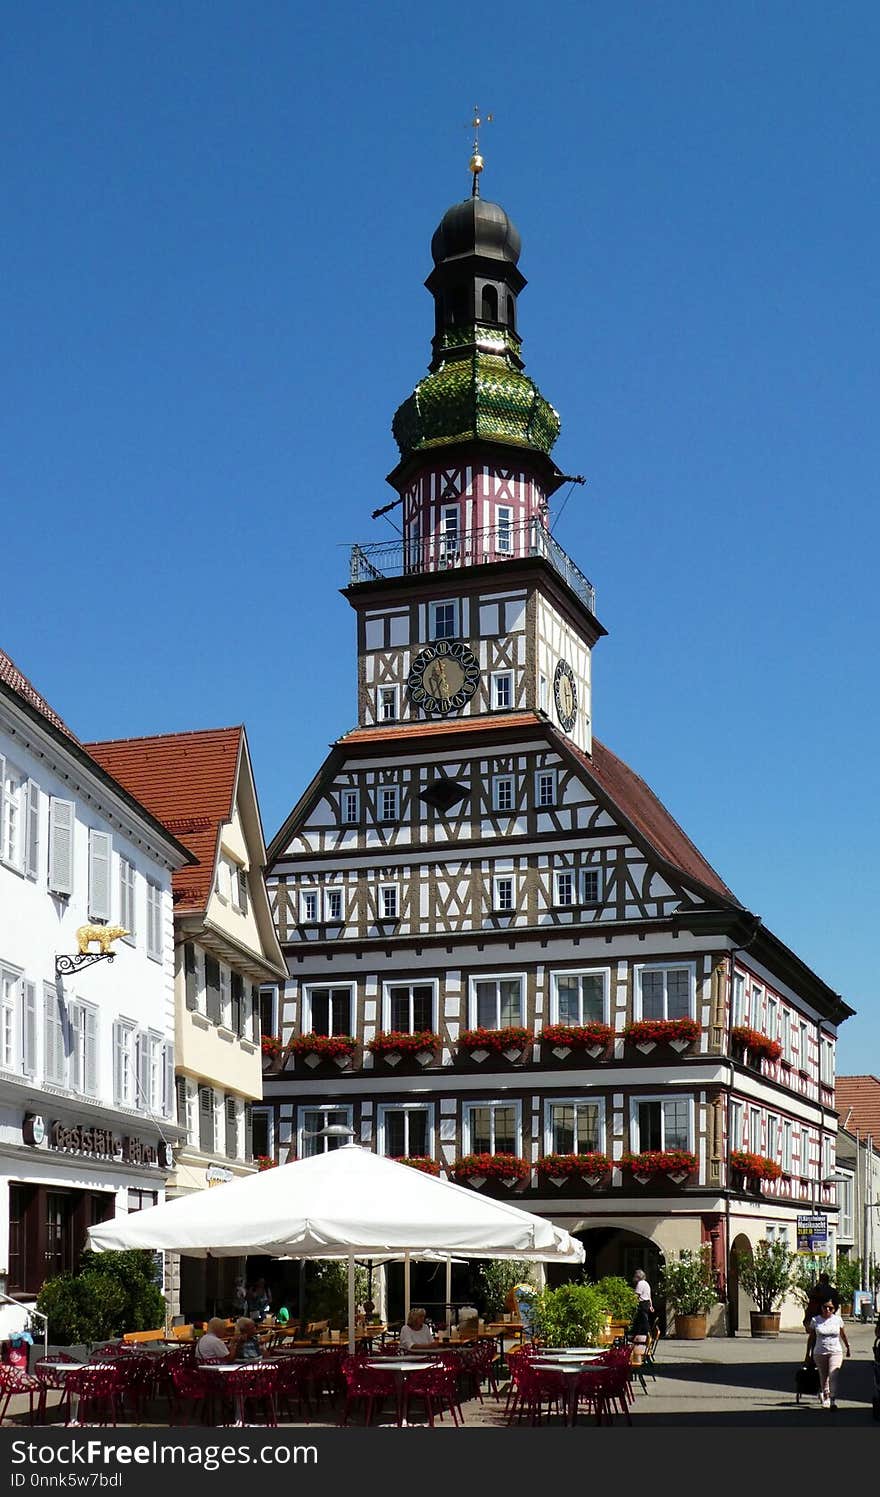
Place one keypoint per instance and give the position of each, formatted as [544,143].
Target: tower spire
[476,161]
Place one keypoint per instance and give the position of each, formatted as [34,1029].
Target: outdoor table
[570,1369]
[502,1328]
[61,1369]
[227,1367]
[400,1366]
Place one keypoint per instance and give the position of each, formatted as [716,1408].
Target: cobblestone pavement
[720,1381]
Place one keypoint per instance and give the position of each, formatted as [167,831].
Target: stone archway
[738,1303]
[616,1252]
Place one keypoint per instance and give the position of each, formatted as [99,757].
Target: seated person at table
[415,1332]
[245,1345]
[211,1345]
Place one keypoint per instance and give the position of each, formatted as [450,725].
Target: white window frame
[350,798]
[225,981]
[496,977]
[78,1014]
[497,678]
[269,987]
[787,1146]
[128,899]
[467,1109]
[310,899]
[410,982]
[555,975]
[388,895]
[826,1060]
[449,534]
[322,1145]
[393,693]
[755,1129]
[154,921]
[736,1123]
[803,1045]
[771,1019]
[569,878]
[433,611]
[543,692]
[308,1022]
[11,1010]
[756,1006]
[787,1052]
[333,892]
[662,1097]
[498,906]
[584,1100]
[773,1132]
[504,785]
[201,980]
[689,967]
[382,1111]
[387,814]
[269,1114]
[552,776]
[588,873]
[13,816]
[125,1079]
[738,1002]
[504,526]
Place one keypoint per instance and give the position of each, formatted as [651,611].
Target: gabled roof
[862,1094]
[12,677]
[188,782]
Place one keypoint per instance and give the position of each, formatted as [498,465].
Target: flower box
[676,1164]
[271,1046]
[680,1032]
[263,1162]
[317,1047]
[495,1167]
[419,1162]
[755,1166]
[393,1045]
[495,1041]
[760,1046]
[569,1166]
[594,1038]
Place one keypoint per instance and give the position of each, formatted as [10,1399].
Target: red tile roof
[862,1094]
[392,732]
[187,780]
[11,676]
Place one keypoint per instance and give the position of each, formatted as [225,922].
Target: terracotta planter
[764,1325]
[690,1327]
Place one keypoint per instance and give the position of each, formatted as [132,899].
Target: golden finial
[476,162]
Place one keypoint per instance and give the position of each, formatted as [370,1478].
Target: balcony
[452,549]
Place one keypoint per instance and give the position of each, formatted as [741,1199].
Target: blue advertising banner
[812,1233]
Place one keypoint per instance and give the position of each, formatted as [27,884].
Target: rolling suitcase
[806,1381]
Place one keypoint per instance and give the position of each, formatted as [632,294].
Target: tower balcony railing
[451,549]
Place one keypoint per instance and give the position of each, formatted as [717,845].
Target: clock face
[565,695]
[443,677]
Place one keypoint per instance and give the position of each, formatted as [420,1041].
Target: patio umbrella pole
[448,1293]
[351,1304]
[406,1305]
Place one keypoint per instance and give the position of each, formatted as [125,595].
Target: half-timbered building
[507,961]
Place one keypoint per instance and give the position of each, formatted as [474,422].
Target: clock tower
[476,609]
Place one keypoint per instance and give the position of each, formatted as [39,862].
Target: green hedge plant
[495,1279]
[112,1294]
[618,1298]
[766,1275]
[689,1283]
[572,1315]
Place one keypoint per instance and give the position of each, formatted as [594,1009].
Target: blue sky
[216,223]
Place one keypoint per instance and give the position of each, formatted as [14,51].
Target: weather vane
[476,164]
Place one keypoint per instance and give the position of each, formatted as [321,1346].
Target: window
[29,1029]
[786,1146]
[543,693]
[579,997]
[61,823]
[591,885]
[333,906]
[443,619]
[563,886]
[262,1133]
[388,902]
[496,1002]
[504,530]
[351,807]
[738,1015]
[845,1205]
[574,1127]
[804,1048]
[206,1119]
[54,1036]
[231,1120]
[545,788]
[311,1122]
[755,1129]
[736,1116]
[448,535]
[19,820]
[756,1008]
[126,899]
[826,1062]
[491,1127]
[502,793]
[330,1010]
[502,892]
[786,1035]
[83,1067]
[661,1123]
[124,1083]
[308,907]
[154,921]
[225,996]
[10,1004]
[406,1130]
[772,1135]
[664,992]
[268,1010]
[502,690]
[99,874]
[409,1007]
[386,703]
[239,889]
[489,304]
[772,1020]
[388,803]
[827,1160]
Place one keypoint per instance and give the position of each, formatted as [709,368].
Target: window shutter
[99,874]
[180,1089]
[237,990]
[56,1070]
[189,967]
[206,1119]
[248,1130]
[32,851]
[61,824]
[142,1053]
[154,920]
[242,891]
[29,1030]
[231,1129]
[3,794]
[212,988]
[255,1022]
[90,1060]
[117,1063]
[168,1091]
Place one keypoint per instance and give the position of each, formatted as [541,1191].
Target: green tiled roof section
[477,397]
[459,337]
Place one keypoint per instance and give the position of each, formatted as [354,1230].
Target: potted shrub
[571,1315]
[689,1284]
[766,1276]
[619,1301]
[848,1278]
[497,1282]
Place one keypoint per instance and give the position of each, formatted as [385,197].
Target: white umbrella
[347,1202]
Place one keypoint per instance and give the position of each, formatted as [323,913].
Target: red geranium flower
[388,1041]
[491,1167]
[662,1031]
[574,1164]
[514,1037]
[578,1036]
[419,1162]
[756,1166]
[327,1045]
[753,1040]
[660,1162]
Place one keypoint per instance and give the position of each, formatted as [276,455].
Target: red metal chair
[436,1388]
[14,1381]
[97,1389]
[535,1387]
[187,1386]
[370,1386]
[293,1385]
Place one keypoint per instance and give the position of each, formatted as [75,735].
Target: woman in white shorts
[826,1335]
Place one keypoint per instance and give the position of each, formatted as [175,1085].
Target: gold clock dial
[565,695]
[443,677]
